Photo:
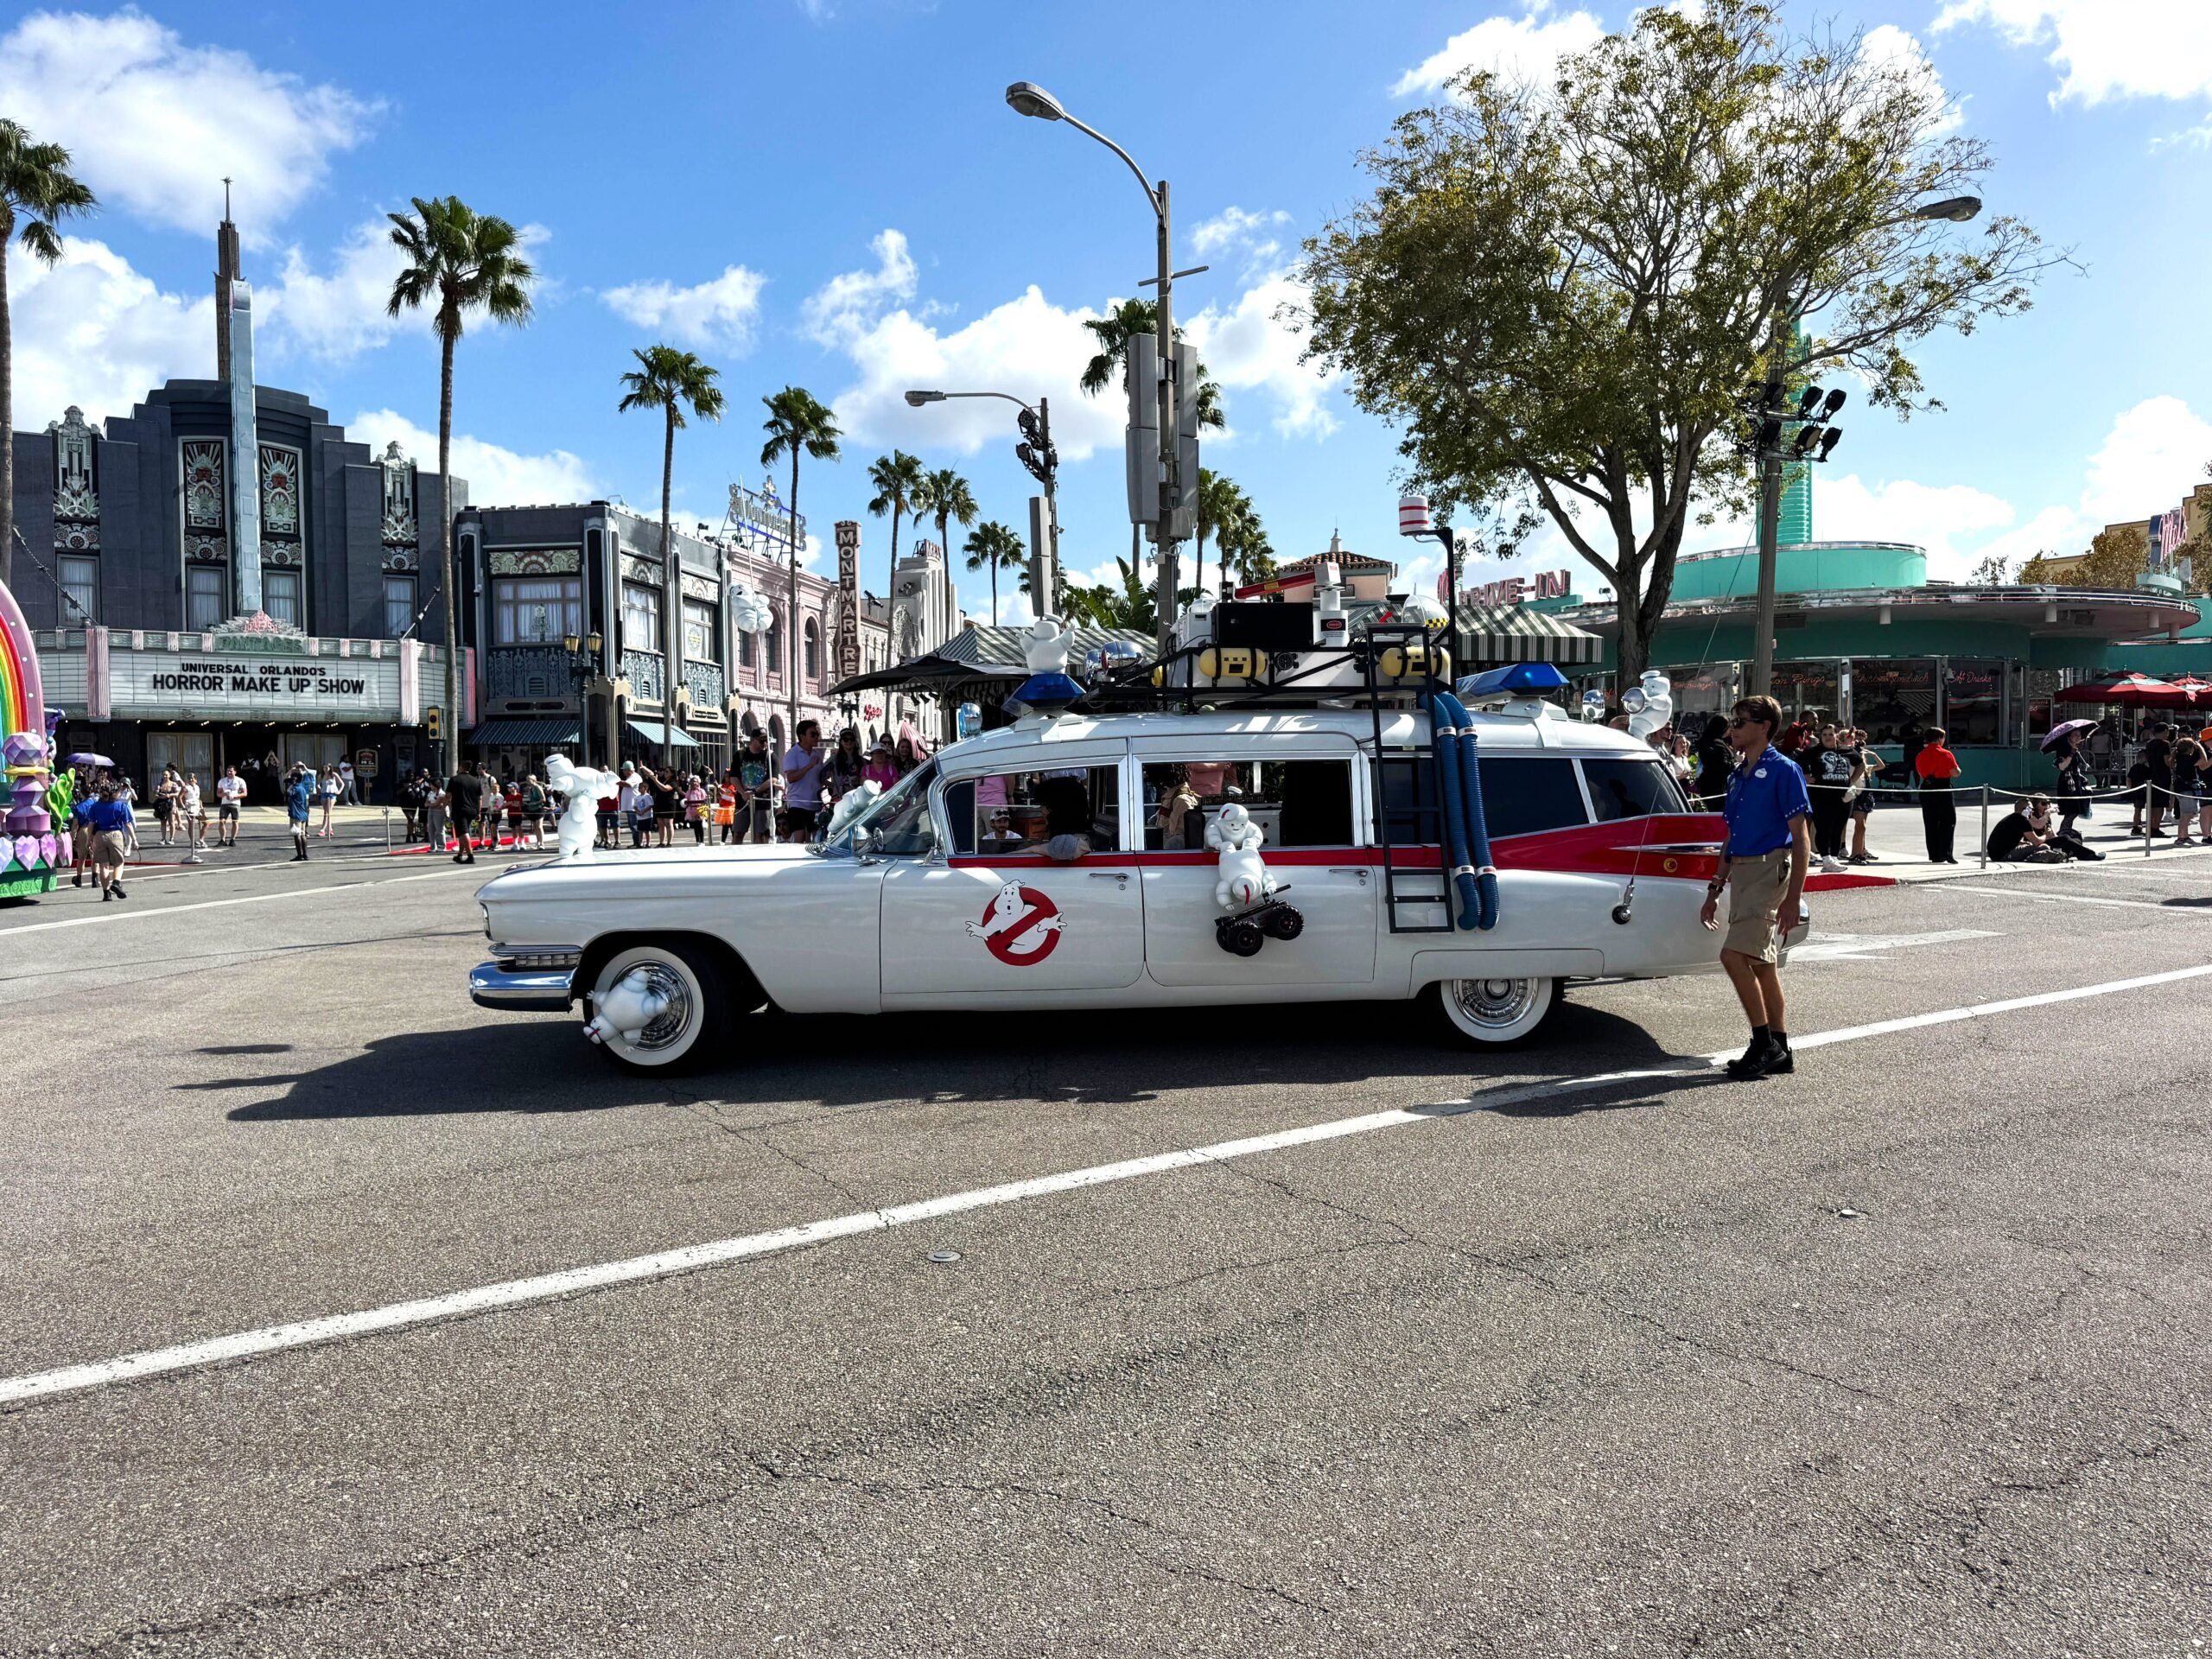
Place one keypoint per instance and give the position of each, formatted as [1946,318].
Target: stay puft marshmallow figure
[1244,878]
[582,786]
[630,1004]
[1048,689]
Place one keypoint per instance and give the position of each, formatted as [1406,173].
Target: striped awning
[523,734]
[662,737]
[1514,633]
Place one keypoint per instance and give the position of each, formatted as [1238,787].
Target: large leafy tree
[459,262]
[946,497]
[1561,292]
[36,194]
[994,547]
[897,479]
[798,423]
[667,379]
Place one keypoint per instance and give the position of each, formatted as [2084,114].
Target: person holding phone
[803,782]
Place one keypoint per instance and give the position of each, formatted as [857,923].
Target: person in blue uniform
[299,798]
[1762,870]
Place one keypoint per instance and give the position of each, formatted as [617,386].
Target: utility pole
[1770,441]
[1169,484]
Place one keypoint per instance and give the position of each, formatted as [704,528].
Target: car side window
[1298,802]
[1522,795]
[1062,812]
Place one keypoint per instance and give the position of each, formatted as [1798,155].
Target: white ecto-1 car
[1065,864]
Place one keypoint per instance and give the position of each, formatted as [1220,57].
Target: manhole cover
[944,1258]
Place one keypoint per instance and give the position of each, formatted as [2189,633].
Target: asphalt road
[1906,1355]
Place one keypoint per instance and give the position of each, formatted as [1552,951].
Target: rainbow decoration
[29,849]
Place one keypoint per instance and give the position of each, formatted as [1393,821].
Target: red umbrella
[2131,689]
[2182,691]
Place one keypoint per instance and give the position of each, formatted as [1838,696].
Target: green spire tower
[1797,519]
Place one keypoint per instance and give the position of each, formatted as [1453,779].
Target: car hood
[640,871]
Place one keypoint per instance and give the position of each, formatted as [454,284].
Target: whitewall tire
[689,1031]
[1489,1012]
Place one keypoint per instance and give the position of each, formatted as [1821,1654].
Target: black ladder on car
[1422,821]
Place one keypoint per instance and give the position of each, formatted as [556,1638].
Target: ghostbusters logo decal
[1021,927]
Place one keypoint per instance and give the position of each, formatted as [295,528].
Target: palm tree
[36,192]
[1113,333]
[797,421]
[1244,548]
[458,261]
[897,479]
[945,495]
[1221,504]
[665,379]
[994,547]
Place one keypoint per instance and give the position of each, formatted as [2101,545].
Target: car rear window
[1630,788]
[1521,795]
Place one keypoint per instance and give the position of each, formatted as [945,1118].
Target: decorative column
[246,473]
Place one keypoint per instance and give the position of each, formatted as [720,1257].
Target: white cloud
[723,311]
[1251,236]
[1247,349]
[1526,48]
[2153,456]
[496,476]
[1027,347]
[2105,48]
[340,314]
[153,126]
[93,331]
[1951,521]
[849,305]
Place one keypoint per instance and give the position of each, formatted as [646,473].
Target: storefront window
[203,596]
[538,610]
[1709,689]
[1894,697]
[279,596]
[1973,701]
[1807,691]
[2043,685]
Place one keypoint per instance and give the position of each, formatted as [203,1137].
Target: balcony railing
[706,683]
[644,671]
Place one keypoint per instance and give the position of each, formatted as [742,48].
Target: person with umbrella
[2075,779]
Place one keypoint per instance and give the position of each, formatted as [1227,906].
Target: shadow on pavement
[838,1061]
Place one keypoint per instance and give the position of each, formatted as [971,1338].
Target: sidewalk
[1895,837]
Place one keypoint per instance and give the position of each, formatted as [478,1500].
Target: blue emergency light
[1522,679]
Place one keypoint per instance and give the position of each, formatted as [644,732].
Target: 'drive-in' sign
[1021,927]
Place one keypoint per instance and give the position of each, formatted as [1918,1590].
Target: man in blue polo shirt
[1763,866]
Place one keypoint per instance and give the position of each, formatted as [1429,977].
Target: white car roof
[1497,733]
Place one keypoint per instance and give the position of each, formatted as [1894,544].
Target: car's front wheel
[1488,1013]
[659,1008]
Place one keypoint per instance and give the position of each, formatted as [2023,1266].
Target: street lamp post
[1037,454]
[1028,99]
[1769,422]
[583,667]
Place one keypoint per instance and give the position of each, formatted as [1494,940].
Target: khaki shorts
[1755,890]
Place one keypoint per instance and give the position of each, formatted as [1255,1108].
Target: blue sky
[834,194]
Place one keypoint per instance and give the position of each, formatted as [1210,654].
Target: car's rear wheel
[687,994]
[1490,1012]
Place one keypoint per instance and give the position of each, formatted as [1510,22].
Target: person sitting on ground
[2017,839]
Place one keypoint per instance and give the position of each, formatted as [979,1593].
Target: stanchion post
[2148,796]
[387,828]
[1984,826]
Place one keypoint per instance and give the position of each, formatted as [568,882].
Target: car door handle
[1110,875]
[1349,869]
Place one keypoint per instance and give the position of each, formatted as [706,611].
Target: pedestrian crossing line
[133,913]
[2077,899]
[16,1391]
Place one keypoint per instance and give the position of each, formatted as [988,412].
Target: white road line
[514,1292]
[2078,898]
[1868,947]
[130,914]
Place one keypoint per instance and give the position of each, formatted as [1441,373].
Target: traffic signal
[434,723]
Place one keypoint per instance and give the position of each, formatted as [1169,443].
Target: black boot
[116,888]
[1782,1059]
[1756,1059]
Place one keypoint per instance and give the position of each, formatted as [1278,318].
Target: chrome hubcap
[657,977]
[1495,1002]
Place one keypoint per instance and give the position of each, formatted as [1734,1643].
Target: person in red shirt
[1936,765]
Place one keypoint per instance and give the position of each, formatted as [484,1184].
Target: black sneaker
[1753,1061]
[117,889]
[105,895]
[1782,1061]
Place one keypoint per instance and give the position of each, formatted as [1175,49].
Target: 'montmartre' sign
[164,682]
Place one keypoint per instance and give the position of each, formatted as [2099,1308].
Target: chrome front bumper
[524,991]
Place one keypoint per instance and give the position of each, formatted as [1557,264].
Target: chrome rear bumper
[535,990]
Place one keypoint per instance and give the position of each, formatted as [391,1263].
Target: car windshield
[897,825]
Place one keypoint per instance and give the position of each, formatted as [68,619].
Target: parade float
[30,850]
